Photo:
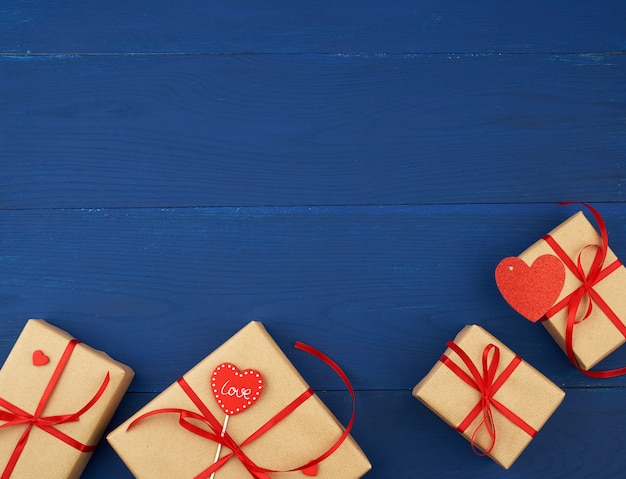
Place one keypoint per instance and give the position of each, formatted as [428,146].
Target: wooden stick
[219,446]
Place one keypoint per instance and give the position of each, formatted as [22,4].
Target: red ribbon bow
[14,416]
[205,416]
[487,384]
[589,279]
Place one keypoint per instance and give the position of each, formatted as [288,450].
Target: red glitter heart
[235,391]
[39,358]
[531,290]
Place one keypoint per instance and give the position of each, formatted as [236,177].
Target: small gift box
[243,411]
[57,395]
[573,283]
[488,394]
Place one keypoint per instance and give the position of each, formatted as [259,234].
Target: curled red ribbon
[14,416]
[487,384]
[589,279]
[214,433]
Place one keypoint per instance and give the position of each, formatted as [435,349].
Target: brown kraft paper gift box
[159,447]
[596,337]
[526,392]
[26,375]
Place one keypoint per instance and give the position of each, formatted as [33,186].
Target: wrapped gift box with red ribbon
[57,395]
[489,395]
[573,283]
[243,411]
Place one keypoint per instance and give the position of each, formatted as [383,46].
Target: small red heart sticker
[234,390]
[311,470]
[39,358]
[531,290]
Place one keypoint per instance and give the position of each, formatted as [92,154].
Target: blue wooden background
[349,173]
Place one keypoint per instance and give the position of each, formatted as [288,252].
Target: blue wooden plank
[310,130]
[299,26]
[378,288]
[405,440]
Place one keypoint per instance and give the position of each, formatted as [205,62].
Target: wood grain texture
[380,289]
[423,446]
[248,130]
[300,26]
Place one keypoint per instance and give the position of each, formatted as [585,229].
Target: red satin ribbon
[14,416]
[185,418]
[573,301]
[487,384]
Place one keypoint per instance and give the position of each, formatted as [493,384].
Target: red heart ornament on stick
[235,391]
[531,290]
[39,358]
